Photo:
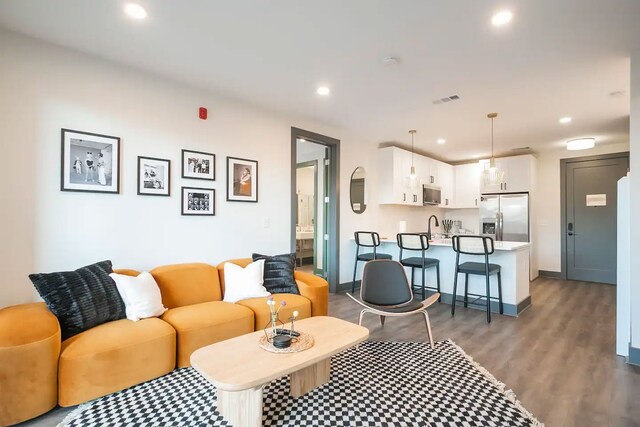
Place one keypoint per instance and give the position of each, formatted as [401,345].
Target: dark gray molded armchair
[385,291]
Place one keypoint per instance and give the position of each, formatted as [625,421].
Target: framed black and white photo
[198,201]
[154,176]
[198,165]
[242,180]
[90,162]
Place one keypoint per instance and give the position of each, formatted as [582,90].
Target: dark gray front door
[590,223]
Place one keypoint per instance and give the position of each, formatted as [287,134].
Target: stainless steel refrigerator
[505,217]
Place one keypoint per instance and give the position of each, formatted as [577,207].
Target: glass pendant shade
[492,176]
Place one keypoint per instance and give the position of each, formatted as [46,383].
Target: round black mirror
[358,190]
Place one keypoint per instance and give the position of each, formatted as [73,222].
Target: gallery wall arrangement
[90,162]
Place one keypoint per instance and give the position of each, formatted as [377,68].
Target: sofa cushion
[278,273]
[81,299]
[242,262]
[114,356]
[261,309]
[186,284]
[202,324]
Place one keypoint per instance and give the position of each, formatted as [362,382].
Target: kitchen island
[513,257]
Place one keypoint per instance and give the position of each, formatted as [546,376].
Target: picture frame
[198,165]
[154,176]
[242,180]
[198,201]
[90,162]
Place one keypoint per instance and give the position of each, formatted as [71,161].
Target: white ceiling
[557,58]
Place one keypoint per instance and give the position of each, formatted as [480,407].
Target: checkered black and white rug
[376,384]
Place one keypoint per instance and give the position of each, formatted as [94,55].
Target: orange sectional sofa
[120,354]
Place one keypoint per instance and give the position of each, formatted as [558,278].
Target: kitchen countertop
[499,246]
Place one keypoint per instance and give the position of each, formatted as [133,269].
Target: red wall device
[202,113]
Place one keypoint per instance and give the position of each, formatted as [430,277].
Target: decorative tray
[301,343]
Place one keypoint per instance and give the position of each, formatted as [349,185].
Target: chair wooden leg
[353,282]
[488,298]
[438,281]
[428,324]
[455,293]
[466,290]
[500,293]
[382,318]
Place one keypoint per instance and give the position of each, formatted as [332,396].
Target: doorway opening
[589,216]
[315,211]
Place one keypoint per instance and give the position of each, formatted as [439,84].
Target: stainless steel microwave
[431,195]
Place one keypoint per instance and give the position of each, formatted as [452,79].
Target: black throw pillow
[81,299]
[278,273]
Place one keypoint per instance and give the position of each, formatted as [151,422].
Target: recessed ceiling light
[135,11]
[501,18]
[441,141]
[581,144]
[565,120]
[323,90]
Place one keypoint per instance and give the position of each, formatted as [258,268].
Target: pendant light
[492,175]
[412,181]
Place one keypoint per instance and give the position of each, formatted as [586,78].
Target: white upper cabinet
[467,186]
[518,173]
[394,166]
[446,180]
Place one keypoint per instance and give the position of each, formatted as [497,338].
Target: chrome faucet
[429,228]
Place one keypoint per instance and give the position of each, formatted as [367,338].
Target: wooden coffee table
[240,369]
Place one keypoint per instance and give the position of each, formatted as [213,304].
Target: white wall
[44,88]
[547,201]
[635,199]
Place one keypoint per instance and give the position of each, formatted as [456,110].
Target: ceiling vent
[521,149]
[446,99]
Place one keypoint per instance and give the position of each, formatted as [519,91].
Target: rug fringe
[509,394]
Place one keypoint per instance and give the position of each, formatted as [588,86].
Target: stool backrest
[368,239]
[413,241]
[473,245]
[384,282]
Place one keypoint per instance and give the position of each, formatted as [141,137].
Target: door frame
[563,200]
[333,245]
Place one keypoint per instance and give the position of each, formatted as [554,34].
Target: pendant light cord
[492,136]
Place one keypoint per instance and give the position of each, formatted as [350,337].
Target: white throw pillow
[243,283]
[140,294]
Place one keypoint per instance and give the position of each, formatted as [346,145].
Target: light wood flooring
[558,356]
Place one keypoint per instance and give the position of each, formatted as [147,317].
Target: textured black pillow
[81,299]
[278,273]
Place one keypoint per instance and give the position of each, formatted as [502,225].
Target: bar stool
[475,245]
[418,242]
[366,239]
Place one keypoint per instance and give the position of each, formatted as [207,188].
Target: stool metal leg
[466,290]
[424,292]
[455,292]
[488,277]
[412,279]
[353,283]
[500,292]
[438,281]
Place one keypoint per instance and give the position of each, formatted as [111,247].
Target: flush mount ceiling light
[135,11]
[323,90]
[441,141]
[412,181]
[492,175]
[501,18]
[581,144]
[565,120]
